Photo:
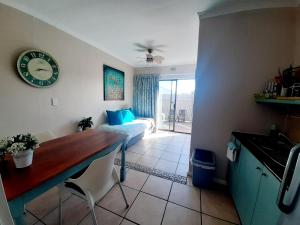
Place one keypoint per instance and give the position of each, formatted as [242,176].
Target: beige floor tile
[177,141]
[166,166]
[184,159]
[103,216]
[137,149]
[186,150]
[45,203]
[182,169]
[179,215]
[147,160]
[208,220]
[173,148]
[132,156]
[158,187]
[158,145]
[74,210]
[127,222]
[219,205]
[135,179]
[29,218]
[153,152]
[147,210]
[170,156]
[162,141]
[186,196]
[142,144]
[114,202]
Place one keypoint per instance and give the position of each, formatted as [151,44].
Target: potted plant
[3,146]
[21,148]
[85,123]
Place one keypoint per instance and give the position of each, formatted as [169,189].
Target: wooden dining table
[54,162]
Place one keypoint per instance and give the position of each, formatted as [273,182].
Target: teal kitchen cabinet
[266,211]
[249,180]
[254,190]
[234,175]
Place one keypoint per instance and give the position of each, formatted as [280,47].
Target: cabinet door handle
[264,174]
[258,168]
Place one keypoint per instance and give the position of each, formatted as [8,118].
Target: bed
[135,130]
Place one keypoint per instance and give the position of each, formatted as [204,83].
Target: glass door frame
[174,104]
[174,108]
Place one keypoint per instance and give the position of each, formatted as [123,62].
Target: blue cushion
[127,115]
[115,117]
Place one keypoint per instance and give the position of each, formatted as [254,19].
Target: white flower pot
[23,159]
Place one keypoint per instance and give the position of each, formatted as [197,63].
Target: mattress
[131,129]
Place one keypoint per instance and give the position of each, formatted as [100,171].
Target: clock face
[38,68]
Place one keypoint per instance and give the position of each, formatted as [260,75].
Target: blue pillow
[127,115]
[115,117]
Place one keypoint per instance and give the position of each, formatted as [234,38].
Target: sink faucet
[285,137]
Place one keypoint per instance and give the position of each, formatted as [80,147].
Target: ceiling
[115,25]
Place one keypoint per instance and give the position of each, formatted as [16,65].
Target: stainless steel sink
[276,148]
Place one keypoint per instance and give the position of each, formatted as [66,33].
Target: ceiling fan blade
[140,50]
[158,50]
[141,57]
[158,46]
[141,46]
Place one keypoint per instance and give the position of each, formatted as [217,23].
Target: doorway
[175,105]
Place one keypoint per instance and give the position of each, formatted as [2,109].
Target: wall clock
[38,68]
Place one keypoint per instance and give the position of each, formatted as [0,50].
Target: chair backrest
[182,112]
[5,216]
[45,136]
[99,177]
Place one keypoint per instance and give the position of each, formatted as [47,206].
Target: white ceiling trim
[234,7]
[63,28]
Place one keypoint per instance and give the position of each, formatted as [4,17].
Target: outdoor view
[175,106]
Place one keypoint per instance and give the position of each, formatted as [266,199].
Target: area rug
[155,172]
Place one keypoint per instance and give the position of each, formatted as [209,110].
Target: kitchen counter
[265,157]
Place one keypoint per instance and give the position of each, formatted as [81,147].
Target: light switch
[54,101]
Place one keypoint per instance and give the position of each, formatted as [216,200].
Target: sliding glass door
[167,104]
[175,108]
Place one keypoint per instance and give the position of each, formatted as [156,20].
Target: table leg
[122,170]
[17,211]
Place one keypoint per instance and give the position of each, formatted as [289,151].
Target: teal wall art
[113,81]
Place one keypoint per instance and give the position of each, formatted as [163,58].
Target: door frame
[175,106]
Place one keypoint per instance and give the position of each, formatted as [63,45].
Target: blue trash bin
[204,167]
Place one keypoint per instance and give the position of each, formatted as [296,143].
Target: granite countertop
[276,169]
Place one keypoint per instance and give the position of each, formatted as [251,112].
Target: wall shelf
[286,101]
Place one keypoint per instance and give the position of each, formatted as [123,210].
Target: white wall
[237,54]
[297,39]
[79,90]
[169,72]
[293,119]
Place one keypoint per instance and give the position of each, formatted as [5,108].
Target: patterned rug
[155,172]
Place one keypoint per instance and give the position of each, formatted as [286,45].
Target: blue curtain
[145,95]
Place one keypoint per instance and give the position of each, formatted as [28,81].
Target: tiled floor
[152,200]
[163,150]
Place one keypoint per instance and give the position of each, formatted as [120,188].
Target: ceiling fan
[149,49]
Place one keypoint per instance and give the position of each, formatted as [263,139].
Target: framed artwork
[113,81]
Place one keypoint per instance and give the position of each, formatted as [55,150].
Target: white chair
[45,136]
[94,183]
[5,216]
